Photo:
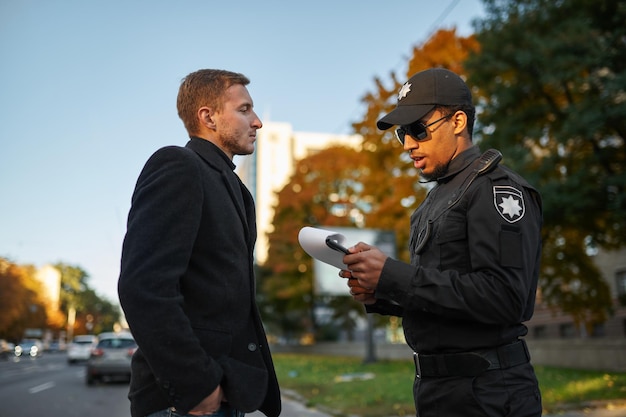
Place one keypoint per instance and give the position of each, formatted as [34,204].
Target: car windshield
[116,343]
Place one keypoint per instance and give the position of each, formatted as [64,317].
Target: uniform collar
[460,162]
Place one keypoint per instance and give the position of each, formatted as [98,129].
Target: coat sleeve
[162,225]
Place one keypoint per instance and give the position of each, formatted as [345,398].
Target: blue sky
[88,93]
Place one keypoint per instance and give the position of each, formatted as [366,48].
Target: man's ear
[205,117]
[460,122]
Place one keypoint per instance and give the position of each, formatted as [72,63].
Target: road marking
[42,387]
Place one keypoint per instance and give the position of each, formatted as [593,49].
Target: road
[49,386]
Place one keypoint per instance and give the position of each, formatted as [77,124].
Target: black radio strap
[487,161]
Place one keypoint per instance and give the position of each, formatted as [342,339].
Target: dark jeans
[512,392]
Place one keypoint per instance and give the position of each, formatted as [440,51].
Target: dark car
[110,359]
[29,347]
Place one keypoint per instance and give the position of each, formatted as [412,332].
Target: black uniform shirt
[474,262]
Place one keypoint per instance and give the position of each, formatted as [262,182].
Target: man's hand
[210,404]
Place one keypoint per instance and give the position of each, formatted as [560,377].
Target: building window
[540,332]
[567,331]
[598,330]
[620,286]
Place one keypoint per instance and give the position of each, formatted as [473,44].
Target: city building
[553,324]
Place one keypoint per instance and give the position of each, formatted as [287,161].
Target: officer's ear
[460,121]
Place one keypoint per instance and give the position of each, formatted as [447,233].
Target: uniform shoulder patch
[509,202]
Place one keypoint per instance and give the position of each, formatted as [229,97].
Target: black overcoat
[187,286]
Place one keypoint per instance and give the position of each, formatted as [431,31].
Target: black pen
[333,244]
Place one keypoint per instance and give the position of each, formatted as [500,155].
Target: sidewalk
[293,408]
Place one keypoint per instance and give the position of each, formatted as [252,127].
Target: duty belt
[471,363]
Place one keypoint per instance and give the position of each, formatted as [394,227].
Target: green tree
[97,314]
[552,85]
[93,313]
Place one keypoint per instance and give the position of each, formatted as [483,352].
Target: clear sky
[88,93]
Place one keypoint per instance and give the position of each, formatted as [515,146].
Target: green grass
[340,385]
[576,387]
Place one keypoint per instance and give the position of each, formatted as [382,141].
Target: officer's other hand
[358,293]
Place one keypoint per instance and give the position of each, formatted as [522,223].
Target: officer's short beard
[439,171]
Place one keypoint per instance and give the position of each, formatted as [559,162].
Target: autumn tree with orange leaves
[395,187]
[24,305]
[375,187]
[325,190]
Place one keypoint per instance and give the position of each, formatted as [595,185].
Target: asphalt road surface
[49,386]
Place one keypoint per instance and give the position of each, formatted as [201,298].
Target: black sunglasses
[417,130]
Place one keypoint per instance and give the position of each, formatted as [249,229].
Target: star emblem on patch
[404,91]
[509,202]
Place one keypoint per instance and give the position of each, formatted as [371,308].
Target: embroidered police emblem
[509,202]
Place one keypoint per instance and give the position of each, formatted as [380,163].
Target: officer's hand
[365,264]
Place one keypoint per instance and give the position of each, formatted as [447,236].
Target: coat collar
[208,150]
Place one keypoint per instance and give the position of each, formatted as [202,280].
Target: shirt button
[251,347]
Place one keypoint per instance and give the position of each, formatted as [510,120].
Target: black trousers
[512,392]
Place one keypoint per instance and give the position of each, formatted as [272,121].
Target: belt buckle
[418,369]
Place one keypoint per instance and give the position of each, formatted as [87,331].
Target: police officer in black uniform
[475,251]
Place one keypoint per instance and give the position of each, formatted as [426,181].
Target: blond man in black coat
[187,284]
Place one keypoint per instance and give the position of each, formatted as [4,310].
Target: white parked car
[111,357]
[80,348]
